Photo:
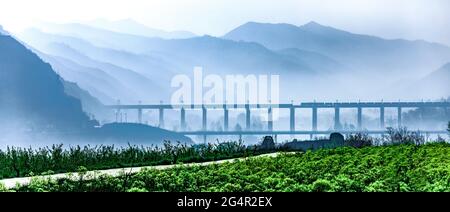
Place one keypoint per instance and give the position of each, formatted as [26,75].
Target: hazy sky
[411,19]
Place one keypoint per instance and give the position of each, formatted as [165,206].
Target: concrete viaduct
[313,106]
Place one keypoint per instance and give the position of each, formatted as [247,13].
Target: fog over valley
[60,77]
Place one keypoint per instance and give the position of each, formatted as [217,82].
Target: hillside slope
[32,93]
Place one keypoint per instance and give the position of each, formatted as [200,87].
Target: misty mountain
[359,52]
[225,56]
[145,75]
[440,75]
[94,80]
[429,87]
[314,60]
[98,37]
[161,59]
[33,98]
[149,66]
[215,54]
[91,105]
[132,27]
[303,74]
[435,84]
[33,94]
[320,62]
[141,87]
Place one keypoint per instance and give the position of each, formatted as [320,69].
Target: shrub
[359,140]
[440,139]
[402,136]
[321,185]
[267,144]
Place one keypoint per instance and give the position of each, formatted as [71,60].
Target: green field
[403,167]
[20,162]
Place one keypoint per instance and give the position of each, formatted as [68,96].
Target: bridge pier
[161,118]
[422,113]
[119,113]
[360,127]
[382,123]
[337,122]
[292,119]
[247,117]
[399,117]
[270,119]
[183,119]
[140,116]
[204,116]
[314,118]
[225,118]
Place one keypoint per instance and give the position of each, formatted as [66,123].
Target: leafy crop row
[403,167]
[19,162]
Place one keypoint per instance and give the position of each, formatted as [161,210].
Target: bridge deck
[301,105]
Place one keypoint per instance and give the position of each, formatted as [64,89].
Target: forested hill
[32,94]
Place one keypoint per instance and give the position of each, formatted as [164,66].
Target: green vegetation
[401,167]
[401,160]
[18,162]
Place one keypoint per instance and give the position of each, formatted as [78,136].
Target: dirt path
[12,182]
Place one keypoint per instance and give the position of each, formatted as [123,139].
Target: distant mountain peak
[316,27]
[312,24]
[251,23]
[260,24]
[255,27]
[131,26]
[250,28]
